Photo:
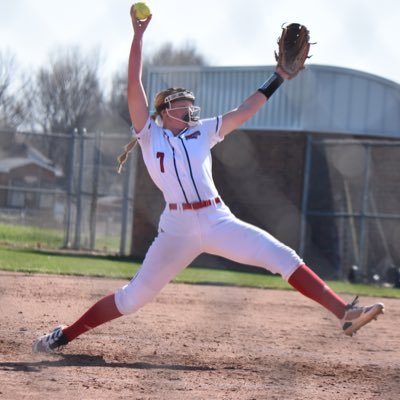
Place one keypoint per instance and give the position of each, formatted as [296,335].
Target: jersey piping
[190,168]
[176,169]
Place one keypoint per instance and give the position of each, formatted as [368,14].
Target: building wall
[42,174]
[322,98]
[32,175]
[3,193]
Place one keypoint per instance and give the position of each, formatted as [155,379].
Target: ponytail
[130,146]
[127,149]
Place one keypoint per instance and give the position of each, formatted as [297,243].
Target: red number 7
[160,155]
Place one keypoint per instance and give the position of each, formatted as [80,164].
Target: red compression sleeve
[312,286]
[103,311]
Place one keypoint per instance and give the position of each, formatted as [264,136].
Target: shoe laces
[352,310]
[353,304]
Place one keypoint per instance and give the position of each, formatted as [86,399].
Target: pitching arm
[137,99]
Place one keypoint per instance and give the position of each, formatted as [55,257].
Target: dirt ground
[192,342]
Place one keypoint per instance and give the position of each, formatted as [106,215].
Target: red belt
[194,206]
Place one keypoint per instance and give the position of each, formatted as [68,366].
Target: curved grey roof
[321,98]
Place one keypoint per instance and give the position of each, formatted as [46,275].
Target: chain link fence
[350,215]
[69,183]
[351,208]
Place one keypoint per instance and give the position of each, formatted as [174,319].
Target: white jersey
[181,165]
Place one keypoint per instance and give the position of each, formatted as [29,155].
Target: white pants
[185,234]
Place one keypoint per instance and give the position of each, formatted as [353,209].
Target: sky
[356,34]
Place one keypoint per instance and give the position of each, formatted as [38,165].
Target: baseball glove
[293,48]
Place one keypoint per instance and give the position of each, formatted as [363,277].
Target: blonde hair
[159,105]
[127,149]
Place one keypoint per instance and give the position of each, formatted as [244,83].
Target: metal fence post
[78,224]
[304,200]
[95,189]
[125,205]
[364,206]
[70,178]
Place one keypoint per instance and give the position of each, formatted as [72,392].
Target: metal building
[320,99]
[318,167]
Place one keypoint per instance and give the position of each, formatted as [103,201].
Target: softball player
[175,145]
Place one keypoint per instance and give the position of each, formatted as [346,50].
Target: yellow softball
[141,10]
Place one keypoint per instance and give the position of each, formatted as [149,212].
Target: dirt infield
[192,342]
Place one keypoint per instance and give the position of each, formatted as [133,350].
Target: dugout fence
[350,219]
[69,183]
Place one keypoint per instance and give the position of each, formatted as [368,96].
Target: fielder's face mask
[192,115]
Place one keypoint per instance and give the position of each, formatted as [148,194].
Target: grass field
[34,237]
[19,253]
[39,261]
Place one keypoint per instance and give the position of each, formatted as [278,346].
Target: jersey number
[160,155]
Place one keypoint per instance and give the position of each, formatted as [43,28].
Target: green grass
[19,255]
[34,237]
[50,262]
[30,236]
[35,261]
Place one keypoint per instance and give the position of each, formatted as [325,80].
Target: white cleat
[48,343]
[356,317]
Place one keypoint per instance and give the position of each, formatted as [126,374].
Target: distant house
[27,178]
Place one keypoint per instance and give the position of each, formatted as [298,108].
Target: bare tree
[65,95]
[67,92]
[118,99]
[166,55]
[11,107]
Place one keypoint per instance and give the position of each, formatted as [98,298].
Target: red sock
[103,311]
[311,285]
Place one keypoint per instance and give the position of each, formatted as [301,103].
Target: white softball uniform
[195,219]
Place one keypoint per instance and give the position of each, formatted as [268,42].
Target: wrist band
[271,84]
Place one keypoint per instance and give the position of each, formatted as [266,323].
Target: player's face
[180,108]
[176,118]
